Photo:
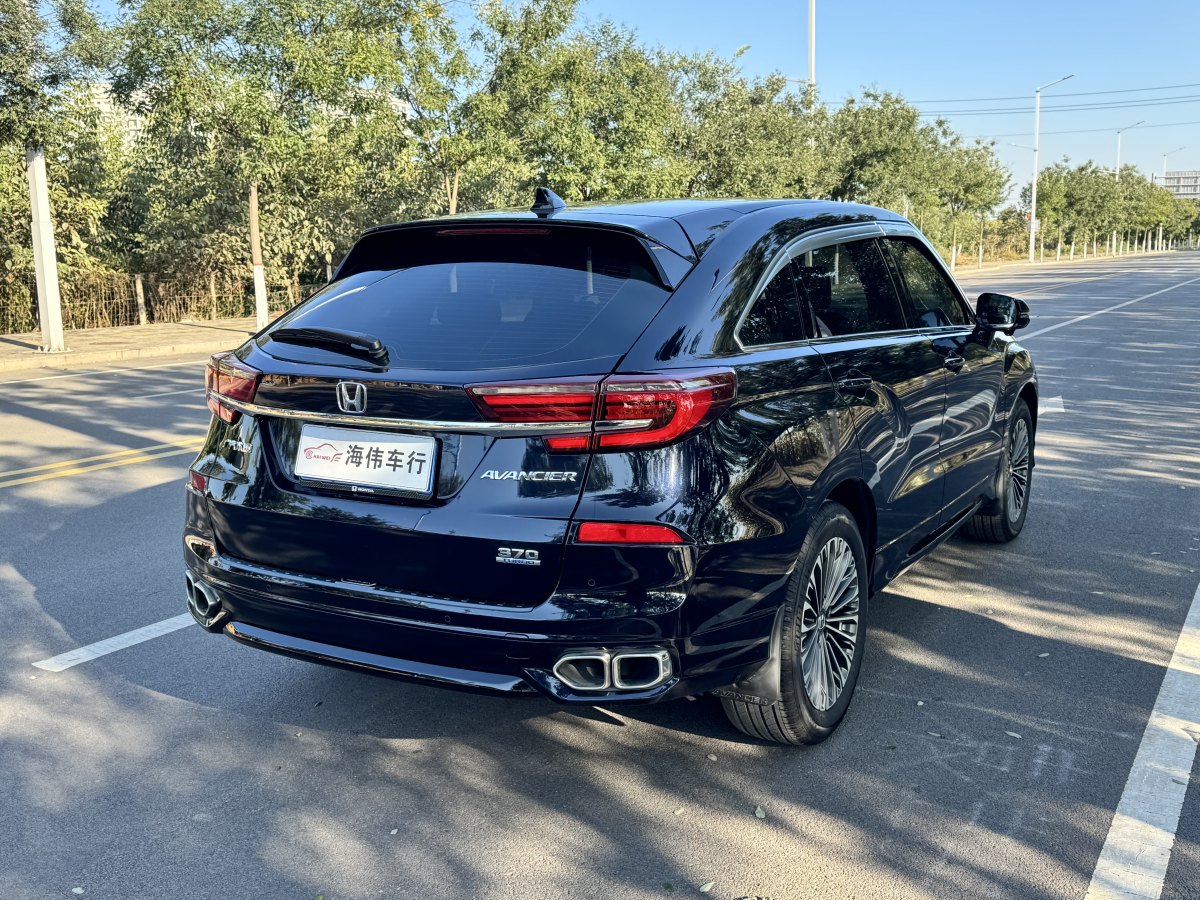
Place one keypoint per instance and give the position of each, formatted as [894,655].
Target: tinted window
[933,298]
[453,300]
[849,290]
[775,317]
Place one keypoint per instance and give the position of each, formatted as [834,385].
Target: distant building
[130,123]
[1185,185]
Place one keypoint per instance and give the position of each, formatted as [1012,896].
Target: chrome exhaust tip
[203,603]
[641,670]
[585,671]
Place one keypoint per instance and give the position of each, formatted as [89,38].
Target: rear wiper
[349,342]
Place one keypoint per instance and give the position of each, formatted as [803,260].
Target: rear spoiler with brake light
[667,247]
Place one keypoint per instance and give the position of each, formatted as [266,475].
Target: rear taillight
[621,412]
[227,377]
[555,403]
[669,409]
[573,401]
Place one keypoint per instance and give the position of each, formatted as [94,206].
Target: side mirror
[999,312]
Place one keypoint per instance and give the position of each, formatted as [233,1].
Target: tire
[1015,483]
[805,713]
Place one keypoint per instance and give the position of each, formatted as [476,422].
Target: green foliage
[1087,201]
[746,138]
[348,113]
[86,166]
[34,68]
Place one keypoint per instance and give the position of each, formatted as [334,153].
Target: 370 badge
[518,556]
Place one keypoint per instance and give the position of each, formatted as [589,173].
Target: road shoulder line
[1133,862]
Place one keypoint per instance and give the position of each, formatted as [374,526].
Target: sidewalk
[93,346]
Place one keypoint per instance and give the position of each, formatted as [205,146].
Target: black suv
[610,454]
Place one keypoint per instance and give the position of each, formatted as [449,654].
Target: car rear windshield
[471,297]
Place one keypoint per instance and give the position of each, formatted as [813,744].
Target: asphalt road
[1003,699]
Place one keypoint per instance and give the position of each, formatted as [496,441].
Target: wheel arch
[856,496]
[1029,394]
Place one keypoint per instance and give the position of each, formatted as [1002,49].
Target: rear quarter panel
[744,488]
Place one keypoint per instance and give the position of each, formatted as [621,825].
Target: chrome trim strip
[500,429]
[535,388]
[809,240]
[228,565]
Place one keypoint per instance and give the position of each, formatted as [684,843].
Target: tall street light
[812,43]
[1165,155]
[1119,130]
[1037,118]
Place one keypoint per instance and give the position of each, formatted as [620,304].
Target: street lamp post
[1165,155]
[812,43]
[1119,130]
[1037,117]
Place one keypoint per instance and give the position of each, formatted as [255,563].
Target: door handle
[858,385]
[954,362]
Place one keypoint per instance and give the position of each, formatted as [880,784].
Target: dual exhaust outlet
[203,603]
[623,670]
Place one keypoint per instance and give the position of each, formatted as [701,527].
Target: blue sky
[941,50]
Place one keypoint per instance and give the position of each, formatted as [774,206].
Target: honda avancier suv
[610,454]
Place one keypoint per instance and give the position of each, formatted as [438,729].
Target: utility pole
[1119,130]
[256,261]
[1037,117]
[45,254]
[812,43]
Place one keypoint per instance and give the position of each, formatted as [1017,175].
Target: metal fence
[105,299]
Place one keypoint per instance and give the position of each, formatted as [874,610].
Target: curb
[71,359]
[965,271]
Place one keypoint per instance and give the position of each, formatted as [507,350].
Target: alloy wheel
[1018,470]
[829,623]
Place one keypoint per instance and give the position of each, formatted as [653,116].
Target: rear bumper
[470,647]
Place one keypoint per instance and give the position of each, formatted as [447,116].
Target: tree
[245,92]
[746,138]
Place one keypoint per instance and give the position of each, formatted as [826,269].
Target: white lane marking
[1050,405]
[107,371]
[113,644]
[1133,862]
[1107,309]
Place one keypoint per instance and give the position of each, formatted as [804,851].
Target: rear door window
[775,317]
[848,290]
[935,302]
[468,298]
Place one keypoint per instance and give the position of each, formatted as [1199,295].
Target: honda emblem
[352,397]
